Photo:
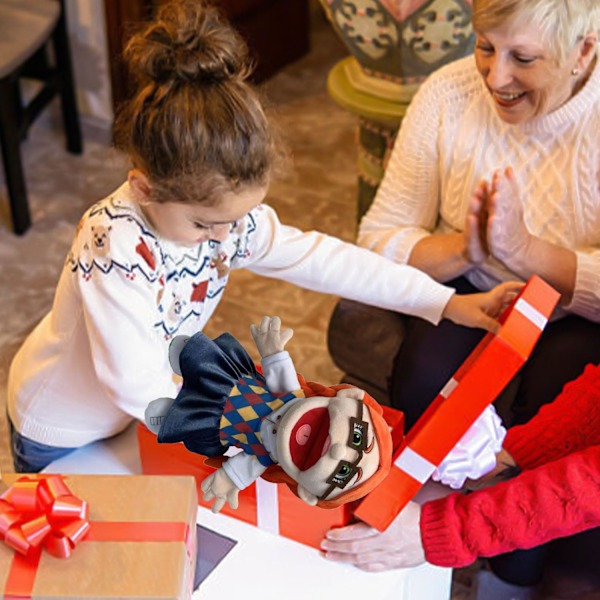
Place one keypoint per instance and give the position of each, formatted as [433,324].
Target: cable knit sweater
[557,495]
[101,354]
[452,137]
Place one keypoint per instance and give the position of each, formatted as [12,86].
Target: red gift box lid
[476,384]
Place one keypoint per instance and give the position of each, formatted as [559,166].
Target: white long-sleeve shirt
[101,354]
[452,137]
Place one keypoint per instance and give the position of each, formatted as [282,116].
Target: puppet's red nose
[308,438]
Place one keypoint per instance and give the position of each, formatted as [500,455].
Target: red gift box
[270,506]
[476,384]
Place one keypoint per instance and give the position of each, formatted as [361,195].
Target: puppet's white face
[328,445]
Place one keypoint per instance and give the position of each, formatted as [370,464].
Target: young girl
[152,260]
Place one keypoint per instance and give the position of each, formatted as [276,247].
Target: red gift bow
[56,495]
[42,513]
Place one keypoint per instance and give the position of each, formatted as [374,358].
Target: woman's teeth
[508,97]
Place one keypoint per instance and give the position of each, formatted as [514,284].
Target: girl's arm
[326,264]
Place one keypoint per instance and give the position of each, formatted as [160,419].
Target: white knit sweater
[452,137]
[101,354]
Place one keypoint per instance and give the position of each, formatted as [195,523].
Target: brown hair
[193,125]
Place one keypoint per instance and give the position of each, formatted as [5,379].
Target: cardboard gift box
[127,536]
[477,383]
[270,506]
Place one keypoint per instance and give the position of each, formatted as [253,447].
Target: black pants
[430,355]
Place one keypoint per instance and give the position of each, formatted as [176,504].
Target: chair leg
[67,86]
[11,157]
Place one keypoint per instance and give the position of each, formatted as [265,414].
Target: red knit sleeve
[569,423]
[555,500]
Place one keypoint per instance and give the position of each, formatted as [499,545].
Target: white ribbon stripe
[267,506]
[415,465]
[449,387]
[531,313]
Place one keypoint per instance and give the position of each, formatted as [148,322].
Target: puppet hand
[483,309]
[175,347]
[399,546]
[268,337]
[156,412]
[219,486]
[507,233]
[475,453]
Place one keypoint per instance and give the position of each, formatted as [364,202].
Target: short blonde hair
[562,22]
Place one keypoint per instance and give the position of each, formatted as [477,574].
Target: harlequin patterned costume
[223,400]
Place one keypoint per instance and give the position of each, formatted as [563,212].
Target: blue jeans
[30,456]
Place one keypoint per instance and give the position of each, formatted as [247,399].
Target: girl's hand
[482,310]
[507,234]
[399,546]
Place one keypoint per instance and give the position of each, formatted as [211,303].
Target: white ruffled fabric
[475,453]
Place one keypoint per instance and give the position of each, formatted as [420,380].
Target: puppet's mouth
[310,438]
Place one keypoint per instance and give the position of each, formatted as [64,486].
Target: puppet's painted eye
[357,438]
[344,471]
[358,434]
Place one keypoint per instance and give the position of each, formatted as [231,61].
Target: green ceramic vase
[394,45]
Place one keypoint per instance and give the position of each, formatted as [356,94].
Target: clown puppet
[331,445]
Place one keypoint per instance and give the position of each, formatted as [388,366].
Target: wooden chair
[33,45]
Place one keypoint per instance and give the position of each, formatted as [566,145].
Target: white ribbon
[267,506]
[475,453]
[531,313]
[449,387]
[415,465]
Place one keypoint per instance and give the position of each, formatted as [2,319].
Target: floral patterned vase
[394,45]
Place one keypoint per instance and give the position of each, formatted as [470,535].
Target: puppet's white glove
[268,337]
[220,486]
[475,453]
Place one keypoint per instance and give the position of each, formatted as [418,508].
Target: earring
[575,72]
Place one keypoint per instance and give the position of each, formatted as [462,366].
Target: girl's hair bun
[189,41]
